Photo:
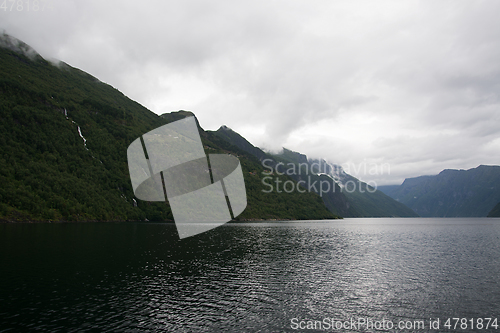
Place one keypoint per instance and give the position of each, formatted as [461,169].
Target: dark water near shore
[252,277]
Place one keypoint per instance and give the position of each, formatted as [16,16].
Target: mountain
[495,212]
[261,203]
[64,136]
[237,140]
[342,193]
[346,194]
[451,193]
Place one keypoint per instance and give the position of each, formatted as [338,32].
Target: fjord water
[248,277]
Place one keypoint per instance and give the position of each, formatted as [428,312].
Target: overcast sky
[413,86]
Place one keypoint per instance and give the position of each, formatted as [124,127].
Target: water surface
[249,277]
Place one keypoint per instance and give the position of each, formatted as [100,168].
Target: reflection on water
[245,277]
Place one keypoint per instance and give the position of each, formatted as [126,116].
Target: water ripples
[246,278]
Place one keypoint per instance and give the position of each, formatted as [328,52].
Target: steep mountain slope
[495,212]
[298,167]
[342,194]
[361,200]
[47,170]
[237,140]
[334,200]
[64,136]
[261,203]
[451,193]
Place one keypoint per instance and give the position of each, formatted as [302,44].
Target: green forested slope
[47,172]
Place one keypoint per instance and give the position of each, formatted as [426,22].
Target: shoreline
[30,221]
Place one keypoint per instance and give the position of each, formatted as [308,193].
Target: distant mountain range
[342,193]
[451,193]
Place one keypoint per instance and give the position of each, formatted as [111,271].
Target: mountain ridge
[364,201]
[451,193]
